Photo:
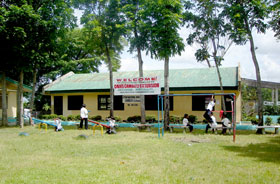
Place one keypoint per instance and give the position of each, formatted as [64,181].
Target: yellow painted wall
[12,106]
[182,105]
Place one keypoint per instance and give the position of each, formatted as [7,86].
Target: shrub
[71,117]
[268,121]
[96,118]
[53,116]
[278,120]
[150,119]
[132,119]
[77,117]
[192,118]
[253,120]
[117,118]
[45,116]
[63,118]
[204,121]
[175,119]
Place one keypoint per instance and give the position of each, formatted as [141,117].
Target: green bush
[278,120]
[53,116]
[63,118]
[175,119]
[150,119]
[71,117]
[192,118]
[204,121]
[117,118]
[96,118]
[253,120]
[268,121]
[133,119]
[45,116]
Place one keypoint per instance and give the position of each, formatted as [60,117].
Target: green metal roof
[26,87]
[179,79]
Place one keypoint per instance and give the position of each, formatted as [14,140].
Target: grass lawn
[137,157]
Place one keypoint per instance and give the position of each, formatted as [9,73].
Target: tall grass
[136,157]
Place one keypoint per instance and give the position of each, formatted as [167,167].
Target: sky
[268,55]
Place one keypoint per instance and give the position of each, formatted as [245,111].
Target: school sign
[137,86]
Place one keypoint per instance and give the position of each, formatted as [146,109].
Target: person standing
[186,122]
[84,117]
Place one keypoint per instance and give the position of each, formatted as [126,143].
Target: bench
[143,126]
[171,127]
[276,127]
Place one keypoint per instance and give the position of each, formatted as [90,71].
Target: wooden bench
[143,126]
[276,127]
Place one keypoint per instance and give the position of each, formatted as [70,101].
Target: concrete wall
[182,105]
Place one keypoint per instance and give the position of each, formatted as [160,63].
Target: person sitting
[58,126]
[112,126]
[186,122]
[213,123]
[225,123]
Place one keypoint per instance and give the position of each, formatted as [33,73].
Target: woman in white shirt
[186,122]
[84,117]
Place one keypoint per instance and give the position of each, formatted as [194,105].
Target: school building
[70,91]
[11,96]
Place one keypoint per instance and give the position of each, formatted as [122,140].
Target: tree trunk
[20,100]
[258,75]
[111,82]
[4,100]
[166,92]
[33,94]
[142,97]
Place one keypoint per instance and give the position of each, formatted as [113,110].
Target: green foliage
[192,118]
[63,118]
[253,120]
[175,119]
[46,107]
[49,116]
[96,118]
[278,120]
[271,110]
[150,119]
[268,121]
[117,119]
[72,117]
[134,119]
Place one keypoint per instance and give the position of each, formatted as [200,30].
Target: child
[112,126]
[213,124]
[225,123]
[209,109]
[58,126]
[186,122]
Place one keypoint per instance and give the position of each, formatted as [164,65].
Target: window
[1,101]
[104,102]
[199,103]
[75,102]
[151,102]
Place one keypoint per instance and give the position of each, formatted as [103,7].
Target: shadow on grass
[267,152]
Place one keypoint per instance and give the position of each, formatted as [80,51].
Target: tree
[245,16]
[164,19]
[275,17]
[135,11]
[105,22]
[30,30]
[209,28]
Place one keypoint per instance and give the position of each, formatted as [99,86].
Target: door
[58,105]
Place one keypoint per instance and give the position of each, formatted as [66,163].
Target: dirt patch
[188,140]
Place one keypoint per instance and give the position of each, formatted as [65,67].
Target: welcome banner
[137,86]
